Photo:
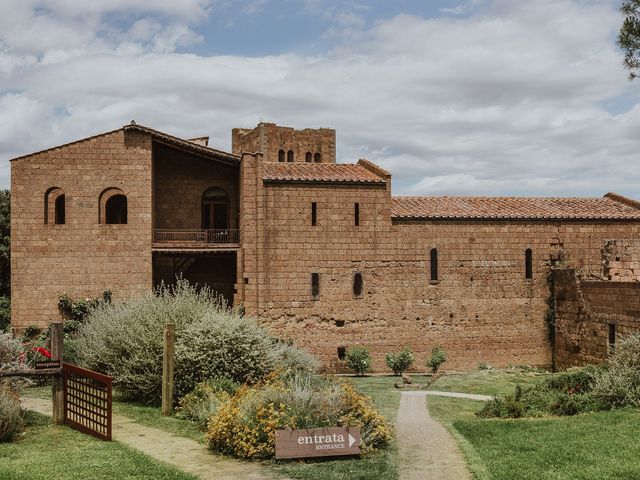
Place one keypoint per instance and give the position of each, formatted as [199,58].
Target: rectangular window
[314,214]
[528,264]
[433,261]
[356,214]
[315,286]
[612,338]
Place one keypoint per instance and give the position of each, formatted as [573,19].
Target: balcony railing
[196,238]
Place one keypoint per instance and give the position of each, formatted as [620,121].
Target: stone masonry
[488,302]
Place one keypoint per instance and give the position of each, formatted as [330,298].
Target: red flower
[43,351]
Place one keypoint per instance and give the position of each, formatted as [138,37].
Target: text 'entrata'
[318,442]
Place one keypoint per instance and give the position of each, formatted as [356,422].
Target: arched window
[281,155]
[308,157]
[116,210]
[317,158]
[528,264]
[54,206]
[290,156]
[434,264]
[358,285]
[215,209]
[112,207]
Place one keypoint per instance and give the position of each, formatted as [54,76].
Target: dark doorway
[215,209]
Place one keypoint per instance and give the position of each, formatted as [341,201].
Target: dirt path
[183,453]
[427,450]
[466,396]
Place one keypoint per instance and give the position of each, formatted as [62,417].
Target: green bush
[401,361]
[359,360]
[10,351]
[11,421]
[619,384]
[205,399]
[76,311]
[5,313]
[125,340]
[438,357]
[484,366]
[245,425]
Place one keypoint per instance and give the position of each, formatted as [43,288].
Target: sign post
[57,389]
[167,369]
[318,442]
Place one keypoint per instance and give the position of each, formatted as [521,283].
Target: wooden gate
[87,401]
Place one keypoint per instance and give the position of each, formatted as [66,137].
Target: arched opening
[281,155]
[528,264]
[308,157]
[60,210]
[434,264]
[215,209]
[358,284]
[290,156]
[317,158]
[116,210]
[54,206]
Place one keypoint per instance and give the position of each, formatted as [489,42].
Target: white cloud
[505,101]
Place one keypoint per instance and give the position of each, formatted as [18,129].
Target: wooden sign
[47,364]
[318,442]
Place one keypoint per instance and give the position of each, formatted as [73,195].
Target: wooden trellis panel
[87,401]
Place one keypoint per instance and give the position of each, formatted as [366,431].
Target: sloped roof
[609,207]
[318,173]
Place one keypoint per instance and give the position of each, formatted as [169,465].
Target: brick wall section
[482,308]
[269,138]
[621,260]
[81,257]
[180,180]
[584,311]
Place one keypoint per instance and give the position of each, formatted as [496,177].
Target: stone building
[320,252]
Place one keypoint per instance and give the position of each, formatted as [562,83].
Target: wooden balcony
[196,239]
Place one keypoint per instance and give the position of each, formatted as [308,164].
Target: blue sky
[477,97]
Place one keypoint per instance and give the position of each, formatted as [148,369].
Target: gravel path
[467,396]
[183,453]
[427,450]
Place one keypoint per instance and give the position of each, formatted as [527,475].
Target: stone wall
[621,260]
[269,139]
[180,180]
[81,257]
[589,314]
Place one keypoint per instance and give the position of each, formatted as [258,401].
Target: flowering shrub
[401,361]
[11,422]
[10,352]
[205,399]
[246,423]
[125,340]
[359,360]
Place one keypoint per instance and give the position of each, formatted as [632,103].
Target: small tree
[359,360]
[401,361]
[438,357]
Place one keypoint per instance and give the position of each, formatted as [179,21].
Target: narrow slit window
[528,264]
[314,214]
[290,156]
[308,157]
[281,155]
[358,285]
[356,214]
[317,158]
[315,286]
[612,338]
[434,264]
[60,210]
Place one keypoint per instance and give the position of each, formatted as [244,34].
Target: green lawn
[47,452]
[593,446]
[486,382]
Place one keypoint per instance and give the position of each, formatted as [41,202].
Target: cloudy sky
[480,97]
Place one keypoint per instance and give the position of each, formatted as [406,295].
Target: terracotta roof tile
[318,173]
[445,207]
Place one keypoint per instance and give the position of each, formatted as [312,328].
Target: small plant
[11,422]
[359,360]
[31,332]
[484,366]
[401,361]
[76,311]
[438,357]
[205,399]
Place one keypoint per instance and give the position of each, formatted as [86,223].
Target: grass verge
[487,382]
[46,451]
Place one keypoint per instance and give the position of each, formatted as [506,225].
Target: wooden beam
[167,369]
[57,389]
[29,372]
